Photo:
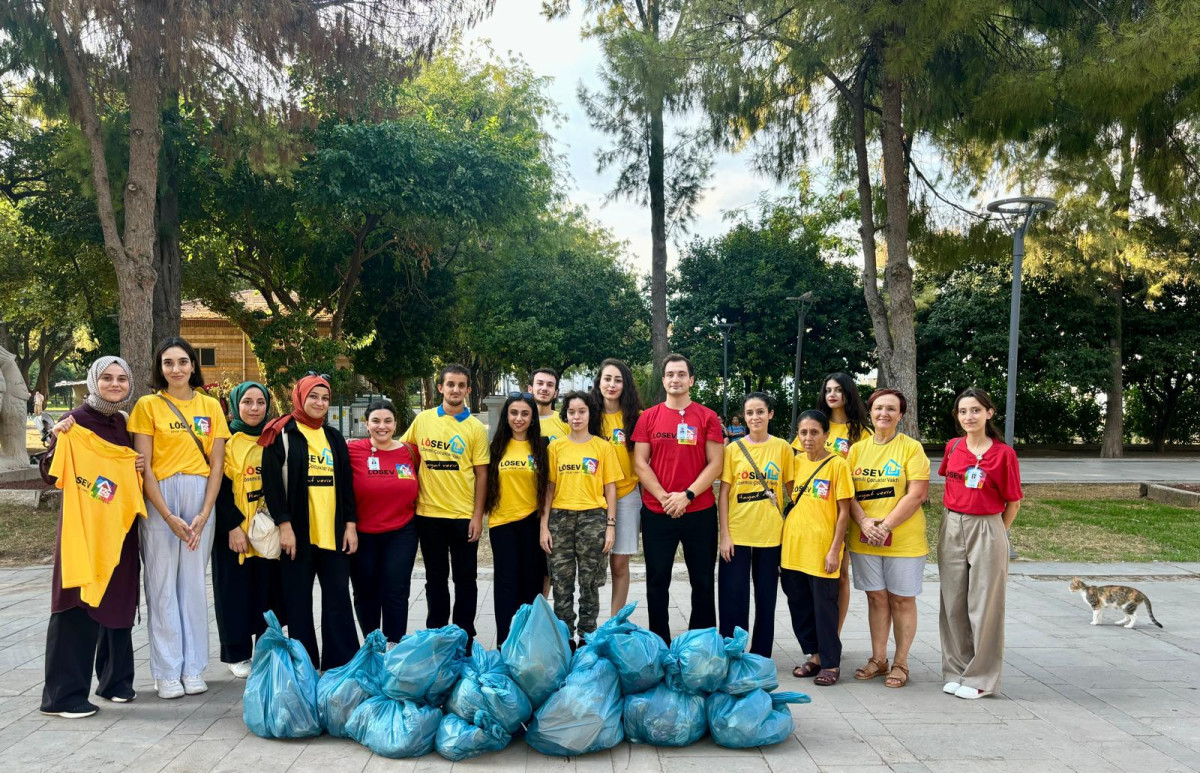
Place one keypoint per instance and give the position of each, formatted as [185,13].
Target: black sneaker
[84,709]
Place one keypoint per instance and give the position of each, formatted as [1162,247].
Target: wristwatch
[687,492]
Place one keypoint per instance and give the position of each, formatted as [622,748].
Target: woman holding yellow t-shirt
[614,390]
[756,481]
[579,517]
[309,488]
[518,471]
[887,533]
[182,432]
[813,538]
[245,585]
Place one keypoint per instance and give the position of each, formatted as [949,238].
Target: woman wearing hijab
[82,635]
[245,584]
[309,488]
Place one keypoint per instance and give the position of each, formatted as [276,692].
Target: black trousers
[339,639]
[661,537]
[381,570]
[733,594]
[242,593]
[74,644]
[813,602]
[444,548]
[518,566]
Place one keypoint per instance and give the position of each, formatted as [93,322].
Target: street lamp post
[725,328]
[804,301]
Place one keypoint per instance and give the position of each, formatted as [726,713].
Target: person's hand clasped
[197,528]
[875,533]
[179,528]
[675,504]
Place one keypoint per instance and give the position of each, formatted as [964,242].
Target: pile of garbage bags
[425,693]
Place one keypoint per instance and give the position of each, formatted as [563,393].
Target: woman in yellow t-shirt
[813,538]
[245,585]
[615,392]
[579,515]
[848,424]
[518,471]
[887,533]
[751,524]
[182,432]
[309,487]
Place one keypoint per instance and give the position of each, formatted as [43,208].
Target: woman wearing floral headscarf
[308,485]
[81,635]
[245,584]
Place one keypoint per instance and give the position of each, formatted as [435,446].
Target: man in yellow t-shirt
[449,517]
[543,385]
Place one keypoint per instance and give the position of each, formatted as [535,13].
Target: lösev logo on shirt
[618,436]
[454,445]
[202,425]
[770,473]
[326,458]
[890,470]
[103,489]
[589,466]
[404,471]
[820,489]
[528,463]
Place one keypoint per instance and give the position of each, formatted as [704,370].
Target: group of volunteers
[280,501]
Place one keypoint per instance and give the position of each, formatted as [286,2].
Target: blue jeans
[381,571]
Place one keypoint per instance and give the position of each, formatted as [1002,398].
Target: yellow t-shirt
[518,484]
[614,432]
[881,475]
[808,532]
[553,427]
[450,447]
[174,450]
[754,520]
[243,467]
[322,490]
[838,442]
[580,471]
[102,494]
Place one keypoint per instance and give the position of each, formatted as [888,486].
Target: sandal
[897,680]
[827,677]
[806,671]
[872,669]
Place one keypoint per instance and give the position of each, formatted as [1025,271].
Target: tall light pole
[804,301]
[725,328]
[1019,212]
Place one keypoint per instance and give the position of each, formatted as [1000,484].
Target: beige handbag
[264,534]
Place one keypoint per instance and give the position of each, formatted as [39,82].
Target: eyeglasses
[526,395]
[319,375]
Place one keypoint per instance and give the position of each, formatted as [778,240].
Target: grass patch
[26,535]
[1092,523]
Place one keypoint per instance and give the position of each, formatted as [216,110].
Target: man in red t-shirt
[677,455]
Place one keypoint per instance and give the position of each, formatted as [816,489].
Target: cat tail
[1150,612]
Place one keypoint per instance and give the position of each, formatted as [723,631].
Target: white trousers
[176,591]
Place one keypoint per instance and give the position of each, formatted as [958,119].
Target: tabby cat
[1119,596]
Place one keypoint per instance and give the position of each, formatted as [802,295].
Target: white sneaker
[240,670]
[169,688]
[950,687]
[194,685]
[970,693]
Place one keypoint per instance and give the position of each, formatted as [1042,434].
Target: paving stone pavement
[1075,698]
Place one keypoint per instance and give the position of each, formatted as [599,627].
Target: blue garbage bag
[747,671]
[582,716]
[697,661]
[424,666]
[341,689]
[457,739]
[759,718]
[536,651]
[393,728]
[665,717]
[487,686]
[637,653]
[280,700]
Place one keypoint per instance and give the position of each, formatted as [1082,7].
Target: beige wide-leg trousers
[973,565]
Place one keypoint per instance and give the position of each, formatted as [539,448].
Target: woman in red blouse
[385,492]
[982,497]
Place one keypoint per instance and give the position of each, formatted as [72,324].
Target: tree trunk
[1112,445]
[659,347]
[168,256]
[899,274]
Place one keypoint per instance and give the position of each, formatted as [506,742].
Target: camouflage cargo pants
[578,548]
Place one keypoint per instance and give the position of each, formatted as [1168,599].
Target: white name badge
[974,478]
[373,463]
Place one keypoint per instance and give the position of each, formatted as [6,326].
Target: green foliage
[745,277]
[1162,363]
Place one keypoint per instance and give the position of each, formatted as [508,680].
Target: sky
[554,49]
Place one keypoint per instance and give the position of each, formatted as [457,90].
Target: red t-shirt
[1001,482]
[385,490]
[678,459]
